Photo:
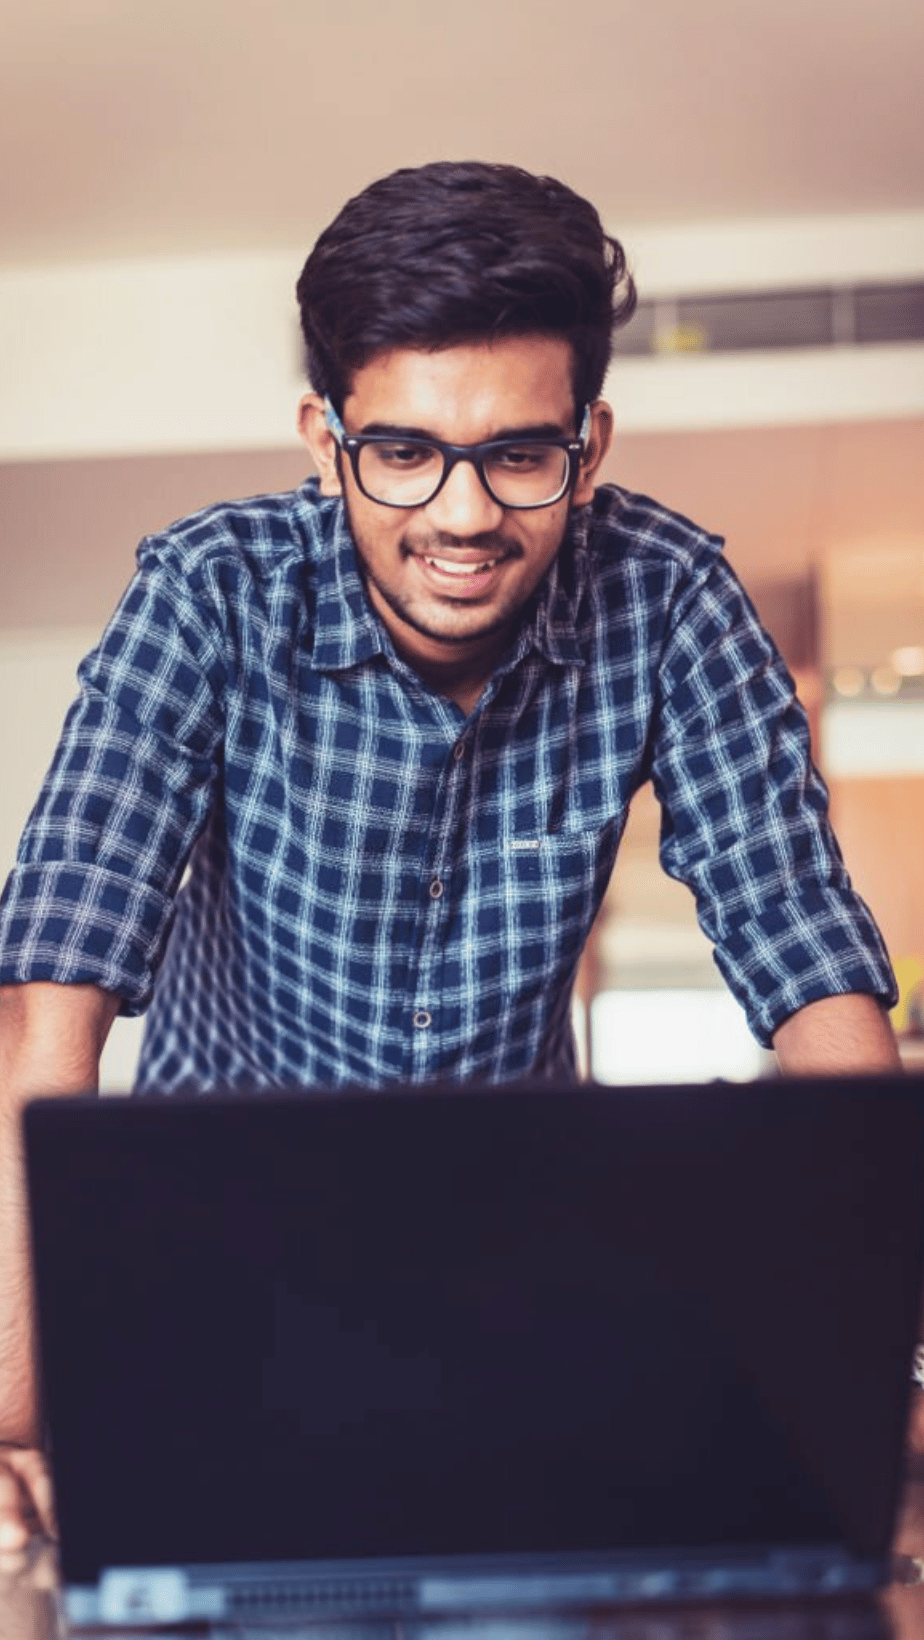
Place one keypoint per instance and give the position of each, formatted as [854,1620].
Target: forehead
[469,392]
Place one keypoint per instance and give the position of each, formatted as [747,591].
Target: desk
[27,1611]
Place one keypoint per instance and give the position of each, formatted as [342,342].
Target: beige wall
[880,823]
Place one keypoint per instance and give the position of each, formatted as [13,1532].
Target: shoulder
[647,575]
[625,531]
[260,537]
[647,565]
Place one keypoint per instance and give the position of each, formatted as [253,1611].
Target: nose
[463,506]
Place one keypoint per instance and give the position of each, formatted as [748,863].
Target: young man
[393,722]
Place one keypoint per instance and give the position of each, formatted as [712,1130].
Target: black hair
[441,254]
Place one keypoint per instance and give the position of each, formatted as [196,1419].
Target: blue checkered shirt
[379,887]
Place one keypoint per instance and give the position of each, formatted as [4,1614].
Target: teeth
[452,568]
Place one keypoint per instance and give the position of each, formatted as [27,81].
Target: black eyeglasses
[409,472]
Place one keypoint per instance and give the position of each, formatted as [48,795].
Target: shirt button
[436,889]
[458,750]
[422,1019]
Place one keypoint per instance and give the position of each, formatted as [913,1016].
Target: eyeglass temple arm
[332,421]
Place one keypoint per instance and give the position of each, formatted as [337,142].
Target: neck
[457,670]
[460,677]
[464,686]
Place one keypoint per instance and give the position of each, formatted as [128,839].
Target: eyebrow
[544,429]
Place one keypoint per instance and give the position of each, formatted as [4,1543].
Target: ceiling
[130,128]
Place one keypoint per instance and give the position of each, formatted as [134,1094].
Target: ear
[599,440]
[323,447]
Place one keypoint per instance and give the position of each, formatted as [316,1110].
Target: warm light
[847,680]
[908,661]
[885,680]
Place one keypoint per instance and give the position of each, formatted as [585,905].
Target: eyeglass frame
[354,443]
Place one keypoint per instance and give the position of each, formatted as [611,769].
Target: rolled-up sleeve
[745,815]
[91,896]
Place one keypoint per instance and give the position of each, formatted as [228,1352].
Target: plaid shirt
[380,888]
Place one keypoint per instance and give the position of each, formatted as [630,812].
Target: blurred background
[164,172]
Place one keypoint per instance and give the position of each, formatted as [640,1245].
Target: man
[393,723]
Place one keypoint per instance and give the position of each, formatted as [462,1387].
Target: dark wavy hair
[441,254]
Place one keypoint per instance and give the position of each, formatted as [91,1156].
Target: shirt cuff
[821,943]
[77,924]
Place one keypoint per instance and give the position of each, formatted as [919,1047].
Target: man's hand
[26,1500]
[51,1037]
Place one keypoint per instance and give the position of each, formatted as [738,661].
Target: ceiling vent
[849,316]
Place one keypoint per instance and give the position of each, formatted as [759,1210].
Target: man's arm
[51,1038]
[839,1035]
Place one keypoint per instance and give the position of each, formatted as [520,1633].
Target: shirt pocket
[550,889]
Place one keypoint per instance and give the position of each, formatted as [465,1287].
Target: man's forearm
[51,1037]
[837,1036]
[17,1392]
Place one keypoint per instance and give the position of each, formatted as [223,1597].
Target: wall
[880,824]
[203,352]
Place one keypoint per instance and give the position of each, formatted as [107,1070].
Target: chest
[357,759]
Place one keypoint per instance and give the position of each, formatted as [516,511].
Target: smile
[451,566]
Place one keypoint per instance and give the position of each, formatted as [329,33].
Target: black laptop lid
[476,1322]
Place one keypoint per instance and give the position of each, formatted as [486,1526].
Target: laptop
[444,1352]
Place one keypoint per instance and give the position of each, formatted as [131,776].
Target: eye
[524,458]
[404,456]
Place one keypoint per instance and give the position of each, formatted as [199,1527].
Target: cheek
[378,538]
[544,541]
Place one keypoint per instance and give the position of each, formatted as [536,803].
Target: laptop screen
[476,1322]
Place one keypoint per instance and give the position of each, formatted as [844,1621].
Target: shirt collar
[554,625]
[347,631]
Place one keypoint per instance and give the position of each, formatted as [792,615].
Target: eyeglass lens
[517,475]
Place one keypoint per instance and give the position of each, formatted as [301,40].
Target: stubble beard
[502,620]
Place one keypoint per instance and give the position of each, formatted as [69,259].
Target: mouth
[462,575]
[461,570]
